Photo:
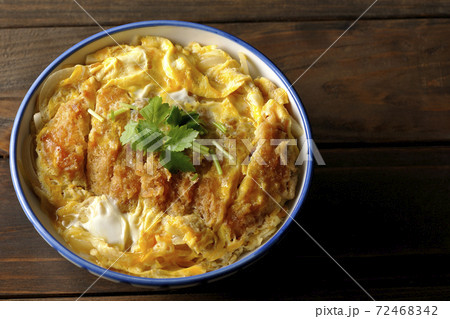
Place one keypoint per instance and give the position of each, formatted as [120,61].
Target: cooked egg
[105,220]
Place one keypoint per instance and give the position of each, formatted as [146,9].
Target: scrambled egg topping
[113,209]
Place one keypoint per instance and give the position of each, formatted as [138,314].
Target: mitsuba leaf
[156,111]
[176,161]
[148,138]
[178,117]
[175,116]
[167,130]
[181,138]
[129,131]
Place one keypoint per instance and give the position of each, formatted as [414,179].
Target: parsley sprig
[166,130]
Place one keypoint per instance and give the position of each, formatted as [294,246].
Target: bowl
[178,32]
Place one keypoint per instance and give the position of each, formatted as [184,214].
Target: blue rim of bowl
[155,282]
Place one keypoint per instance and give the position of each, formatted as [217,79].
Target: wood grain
[424,293]
[381,212]
[384,81]
[63,13]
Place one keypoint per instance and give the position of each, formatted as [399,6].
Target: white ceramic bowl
[178,32]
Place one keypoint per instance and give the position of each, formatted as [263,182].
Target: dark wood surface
[48,13]
[379,107]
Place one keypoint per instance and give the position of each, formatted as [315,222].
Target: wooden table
[379,105]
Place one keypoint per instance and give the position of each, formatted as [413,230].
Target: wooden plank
[8,108]
[384,81]
[324,283]
[382,213]
[63,13]
[343,293]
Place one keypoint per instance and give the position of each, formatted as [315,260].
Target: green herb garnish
[125,107]
[217,164]
[220,148]
[181,138]
[115,113]
[202,149]
[96,115]
[166,130]
[178,161]
[129,106]
[220,126]
[178,117]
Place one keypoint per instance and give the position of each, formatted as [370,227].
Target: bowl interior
[177,32]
